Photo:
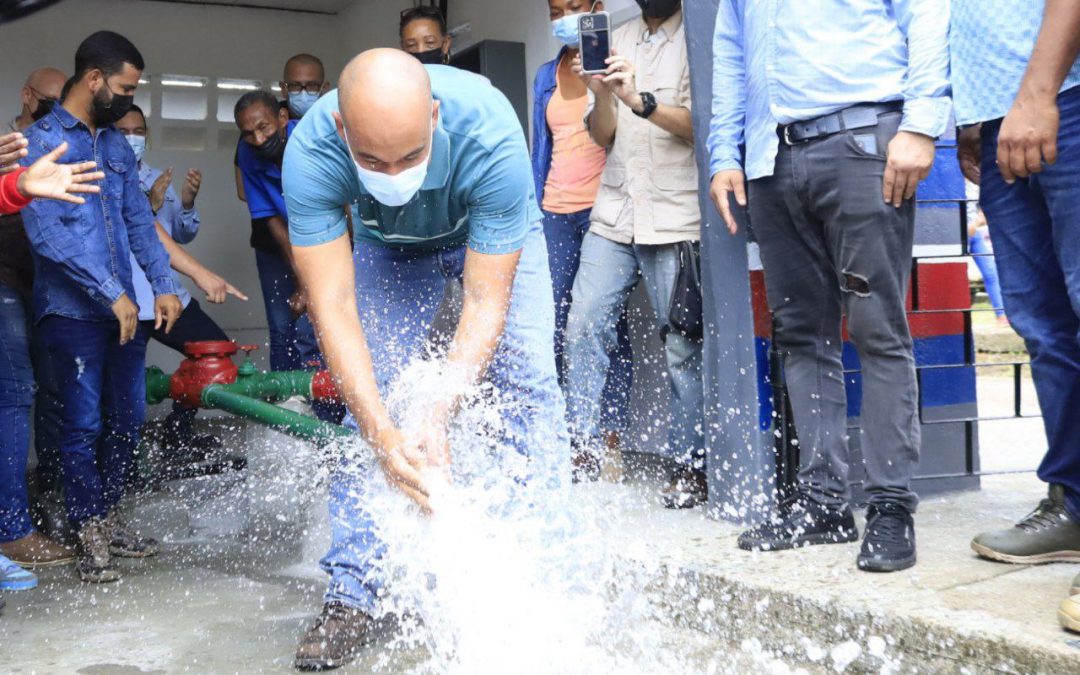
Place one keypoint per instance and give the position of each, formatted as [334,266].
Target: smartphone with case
[595,31]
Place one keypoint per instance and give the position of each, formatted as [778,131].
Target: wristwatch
[648,105]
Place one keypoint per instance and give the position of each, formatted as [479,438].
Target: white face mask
[138,145]
[394,190]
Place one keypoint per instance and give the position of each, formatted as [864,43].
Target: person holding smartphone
[567,166]
[646,225]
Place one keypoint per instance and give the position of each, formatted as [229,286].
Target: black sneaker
[889,545]
[801,521]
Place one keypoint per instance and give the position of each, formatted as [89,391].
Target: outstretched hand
[46,179]
[12,149]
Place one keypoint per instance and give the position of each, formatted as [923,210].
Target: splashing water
[507,575]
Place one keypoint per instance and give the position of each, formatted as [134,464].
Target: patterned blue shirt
[781,61]
[991,42]
[181,223]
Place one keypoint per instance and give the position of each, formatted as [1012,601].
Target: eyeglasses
[309,87]
[39,96]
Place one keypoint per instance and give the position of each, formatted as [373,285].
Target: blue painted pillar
[741,459]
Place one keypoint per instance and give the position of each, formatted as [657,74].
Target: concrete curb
[822,634]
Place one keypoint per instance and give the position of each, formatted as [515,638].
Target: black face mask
[44,107]
[659,9]
[433,57]
[272,149]
[111,110]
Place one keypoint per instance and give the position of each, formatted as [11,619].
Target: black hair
[108,52]
[420,13]
[307,60]
[67,88]
[137,109]
[253,97]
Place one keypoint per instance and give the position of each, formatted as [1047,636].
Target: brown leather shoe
[37,550]
[686,489]
[338,636]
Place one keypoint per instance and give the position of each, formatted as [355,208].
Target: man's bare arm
[1029,133]
[327,277]
[215,287]
[489,280]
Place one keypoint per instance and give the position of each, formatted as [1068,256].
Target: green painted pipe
[274,386]
[225,397]
[157,385]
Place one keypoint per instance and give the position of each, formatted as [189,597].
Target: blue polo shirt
[478,191]
[262,180]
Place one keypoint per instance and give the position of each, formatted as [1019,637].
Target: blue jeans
[608,272]
[292,341]
[102,391]
[46,413]
[564,234]
[980,247]
[1035,227]
[398,293]
[16,398]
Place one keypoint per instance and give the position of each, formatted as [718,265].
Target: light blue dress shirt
[179,222]
[780,61]
[991,42]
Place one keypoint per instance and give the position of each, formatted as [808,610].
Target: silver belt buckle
[787,135]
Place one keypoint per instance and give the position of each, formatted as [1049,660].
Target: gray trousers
[831,246]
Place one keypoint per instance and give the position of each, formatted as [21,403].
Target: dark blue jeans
[194,325]
[16,398]
[102,391]
[564,234]
[1035,227]
[292,341]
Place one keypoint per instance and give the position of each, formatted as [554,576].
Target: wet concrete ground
[224,605]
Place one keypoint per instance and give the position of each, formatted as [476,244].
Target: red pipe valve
[207,363]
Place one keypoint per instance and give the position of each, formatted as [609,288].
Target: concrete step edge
[821,633]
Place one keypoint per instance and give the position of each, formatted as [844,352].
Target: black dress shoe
[889,544]
[801,521]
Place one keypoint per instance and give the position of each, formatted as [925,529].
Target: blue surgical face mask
[565,30]
[138,145]
[300,103]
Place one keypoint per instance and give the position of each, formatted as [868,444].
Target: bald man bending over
[434,166]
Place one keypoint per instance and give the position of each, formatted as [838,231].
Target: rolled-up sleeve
[728,123]
[927,92]
[142,234]
[185,222]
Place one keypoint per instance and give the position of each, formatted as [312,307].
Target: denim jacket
[82,252]
[542,142]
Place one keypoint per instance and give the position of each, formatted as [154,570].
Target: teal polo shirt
[478,191]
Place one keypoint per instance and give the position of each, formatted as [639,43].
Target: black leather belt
[856,117]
